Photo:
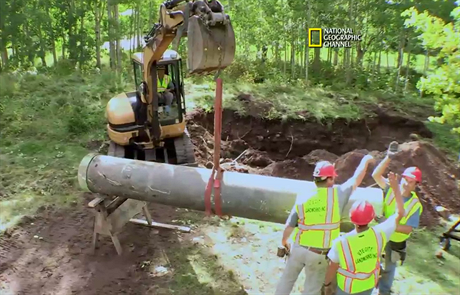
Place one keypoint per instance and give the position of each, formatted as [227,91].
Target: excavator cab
[171,104]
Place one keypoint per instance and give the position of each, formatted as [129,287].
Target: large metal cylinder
[250,196]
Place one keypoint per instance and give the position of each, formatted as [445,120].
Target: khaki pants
[315,266]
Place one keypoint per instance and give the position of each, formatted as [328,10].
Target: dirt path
[50,254]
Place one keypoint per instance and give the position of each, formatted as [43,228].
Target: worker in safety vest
[315,221]
[355,256]
[396,248]
[165,88]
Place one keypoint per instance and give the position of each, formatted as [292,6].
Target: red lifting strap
[216,180]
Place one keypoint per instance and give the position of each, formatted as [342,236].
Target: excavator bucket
[210,48]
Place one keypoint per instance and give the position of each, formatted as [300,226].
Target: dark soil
[292,139]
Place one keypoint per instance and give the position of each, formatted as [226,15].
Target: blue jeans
[167,109]
[388,273]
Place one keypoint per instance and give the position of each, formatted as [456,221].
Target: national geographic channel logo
[332,37]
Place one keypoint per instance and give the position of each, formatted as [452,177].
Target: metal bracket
[110,220]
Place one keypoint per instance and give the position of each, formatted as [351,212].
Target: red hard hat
[324,169]
[413,173]
[362,213]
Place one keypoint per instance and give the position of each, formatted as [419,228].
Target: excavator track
[185,152]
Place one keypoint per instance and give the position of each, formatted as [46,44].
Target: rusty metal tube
[250,196]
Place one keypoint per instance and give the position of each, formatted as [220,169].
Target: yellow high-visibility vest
[359,261]
[410,206]
[319,220]
[163,85]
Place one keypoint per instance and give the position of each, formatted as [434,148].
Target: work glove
[392,149]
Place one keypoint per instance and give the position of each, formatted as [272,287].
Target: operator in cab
[165,88]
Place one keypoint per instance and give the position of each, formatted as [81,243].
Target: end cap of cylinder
[82,171]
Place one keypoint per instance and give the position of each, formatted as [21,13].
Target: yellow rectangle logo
[310,43]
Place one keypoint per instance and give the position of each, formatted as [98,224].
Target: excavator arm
[210,43]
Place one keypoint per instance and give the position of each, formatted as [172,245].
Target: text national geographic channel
[332,37]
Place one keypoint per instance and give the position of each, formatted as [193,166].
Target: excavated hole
[290,149]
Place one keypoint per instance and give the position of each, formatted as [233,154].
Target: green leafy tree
[444,81]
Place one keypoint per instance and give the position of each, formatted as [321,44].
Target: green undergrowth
[48,123]
[445,139]
[272,100]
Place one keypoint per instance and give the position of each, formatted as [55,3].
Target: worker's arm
[333,266]
[346,189]
[170,86]
[394,184]
[330,274]
[378,173]
[360,172]
[380,169]
[291,224]
[412,222]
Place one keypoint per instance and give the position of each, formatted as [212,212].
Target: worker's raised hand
[392,149]
[393,179]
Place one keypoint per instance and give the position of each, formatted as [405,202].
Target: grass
[47,123]
[445,139]
[278,101]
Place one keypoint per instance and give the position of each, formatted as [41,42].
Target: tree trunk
[317,59]
[82,41]
[292,59]
[139,27]
[97,29]
[4,57]
[42,46]
[118,36]
[427,62]
[329,55]
[132,35]
[406,82]
[379,62]
[348,77]
[151,12]
[336,57]
[53,49]
[111,35]
[401,49]
[285,57]
[307,48]
[63,48]
[400,62]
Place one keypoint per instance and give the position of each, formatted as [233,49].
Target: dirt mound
[290,139]
[291,149]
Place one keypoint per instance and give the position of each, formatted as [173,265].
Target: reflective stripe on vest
[410,207]
[318,229]
[164,84]
[351,273]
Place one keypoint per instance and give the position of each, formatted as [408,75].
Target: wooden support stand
[112,215]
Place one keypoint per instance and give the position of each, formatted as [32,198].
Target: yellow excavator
[149,123]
